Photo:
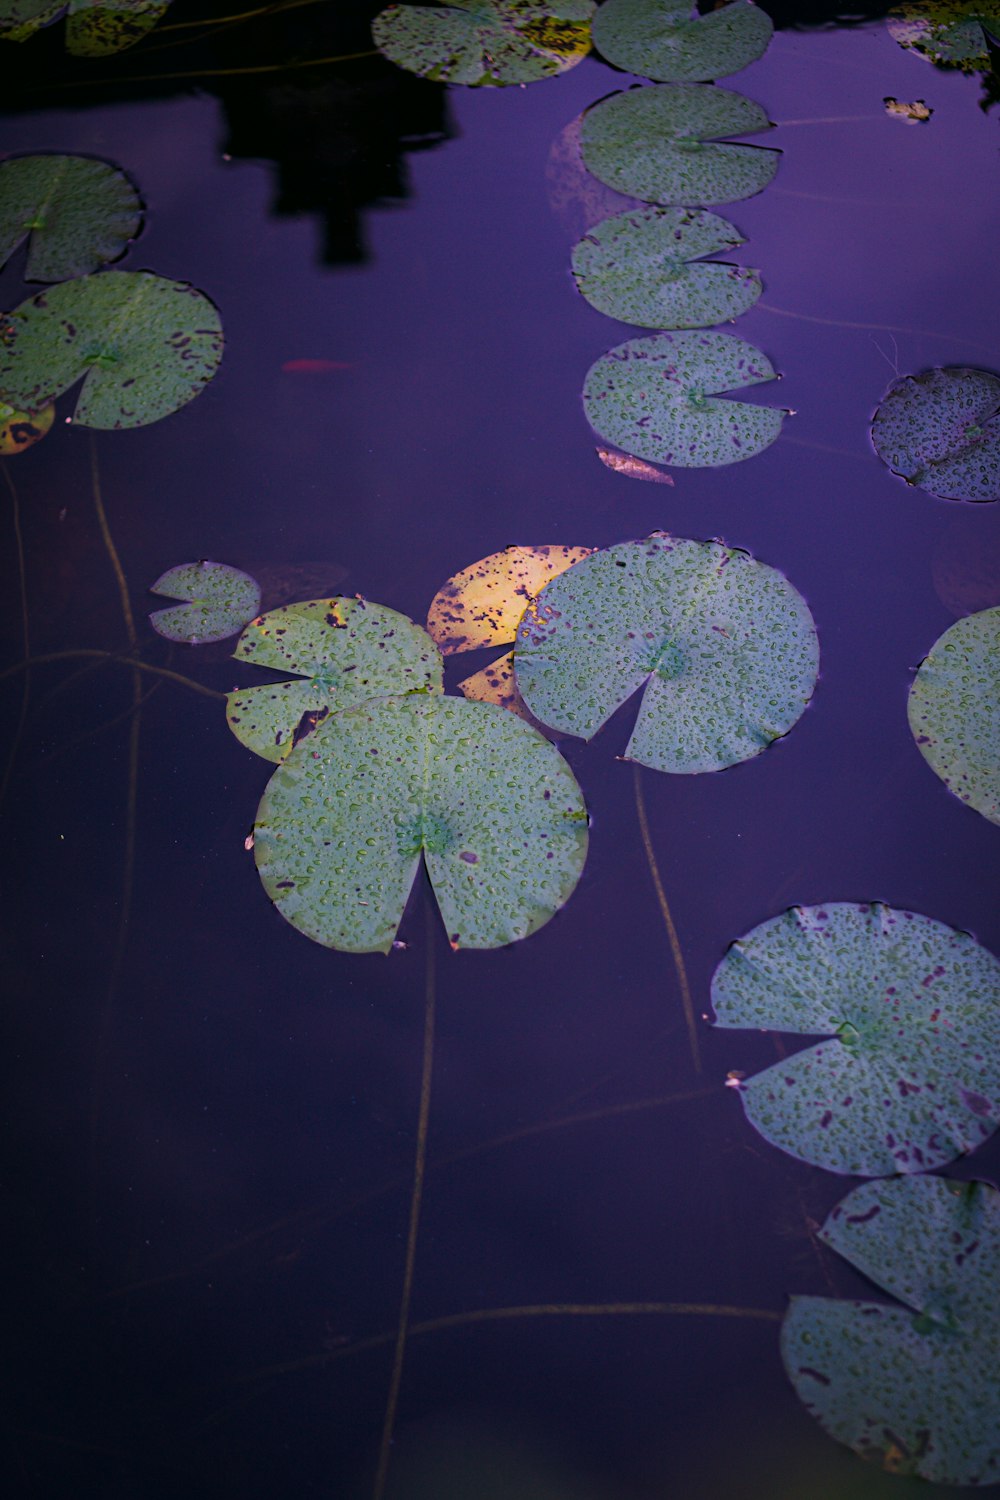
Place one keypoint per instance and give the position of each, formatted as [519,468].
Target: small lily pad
[951,35]
[667,39]
[81,214]
[22,429]
[144,347]
[912,1388]
[908,1077]
[954,710]
[723,646]
[666,143]
[941,432]
[220,601]
[486,41]
[94,28]
[658,397]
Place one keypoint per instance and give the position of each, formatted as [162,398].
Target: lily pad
[667,39]
[724,647]
[144,347]
[22,429]
[953,35]
[666,144]
[658,397]
[954,710]
[911,1387]
[488,802]
[645,267]
[941,432]
[94,28]
[486,41]
[908,1077]
[221,600]
[343,652]
[80,213]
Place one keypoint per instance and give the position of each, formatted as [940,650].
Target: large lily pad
[486,41]
[94,28]
[488,802]
[666,144]
[941,431]
[912,1388]
[658,397]
[667,39]
[908,1077]
[724,647]
[954,710]
[80,213]
[645,267]
[220,601]
[343,652]
[144,346]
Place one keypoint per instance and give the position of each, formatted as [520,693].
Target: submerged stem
[22,579]
[115,656]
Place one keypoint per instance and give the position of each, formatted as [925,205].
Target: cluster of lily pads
[94,28]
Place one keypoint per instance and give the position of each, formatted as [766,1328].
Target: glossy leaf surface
[941,431]
[80,214]
[669,41]
[954,710]
[220,601]
[486,41]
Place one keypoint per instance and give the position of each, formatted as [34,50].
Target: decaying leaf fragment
[634,468]
[21,429]
[914,113]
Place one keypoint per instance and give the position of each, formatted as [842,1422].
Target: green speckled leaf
[94,28]
[144,347]
[657,397]
[491,805]
[80,214]
[643,266]
[221,599]
[668,40]
[343,652]
[662,144]
[941,431]
[911,1388]
[724,647]
[909,1075]
[486,41]
[950,34]
[954,710]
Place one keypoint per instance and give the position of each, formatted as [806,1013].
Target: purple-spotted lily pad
[486,41]
[954,710]
[669,41]
[220,601]
[940,431]
[79,212]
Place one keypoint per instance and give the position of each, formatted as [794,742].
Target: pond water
[211,1121]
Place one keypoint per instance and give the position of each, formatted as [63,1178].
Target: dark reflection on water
[184,1295]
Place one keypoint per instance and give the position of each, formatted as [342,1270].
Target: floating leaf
[143,345]
[953,35]
[343,652]
[662,39]
[909,1076]
[486,41]
[645,267]
[632,468]
[954,710]
[724,646]
[489,803]
[80,214]
[941,431]
[914,112]
[662,144]
[912,1388]
[657,397]
[221,600]
[94,28]
[22,429]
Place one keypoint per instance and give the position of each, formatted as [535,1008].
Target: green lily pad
[666,144]
[954,710]
[724,647]
[144,347]
[487,801]
[221,600]
[658,397]
[912,1388]
[94,28]
[662,39]
[941,431]
[952,34]
[643,266]
[908,1077]
[80,213]
[343,652]
[486,41]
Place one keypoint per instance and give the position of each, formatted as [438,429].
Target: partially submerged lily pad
[79,212]
[908,1077]
[144,347]
[659,398]
[220,601]
[941,431]
[94,28]
[954,710]
[487,802]
[723,646]
[667,144]
[22,429]
[912,1388]
[953,35]
[668,40]
[486,41]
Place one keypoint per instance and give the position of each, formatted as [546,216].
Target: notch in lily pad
[94,28]
[909,1385]
[940,431]
[478,42]
[219,601]
[907,1077]
[78,214]
[954,710]
[669,41]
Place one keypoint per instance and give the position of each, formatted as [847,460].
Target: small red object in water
[313,366]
